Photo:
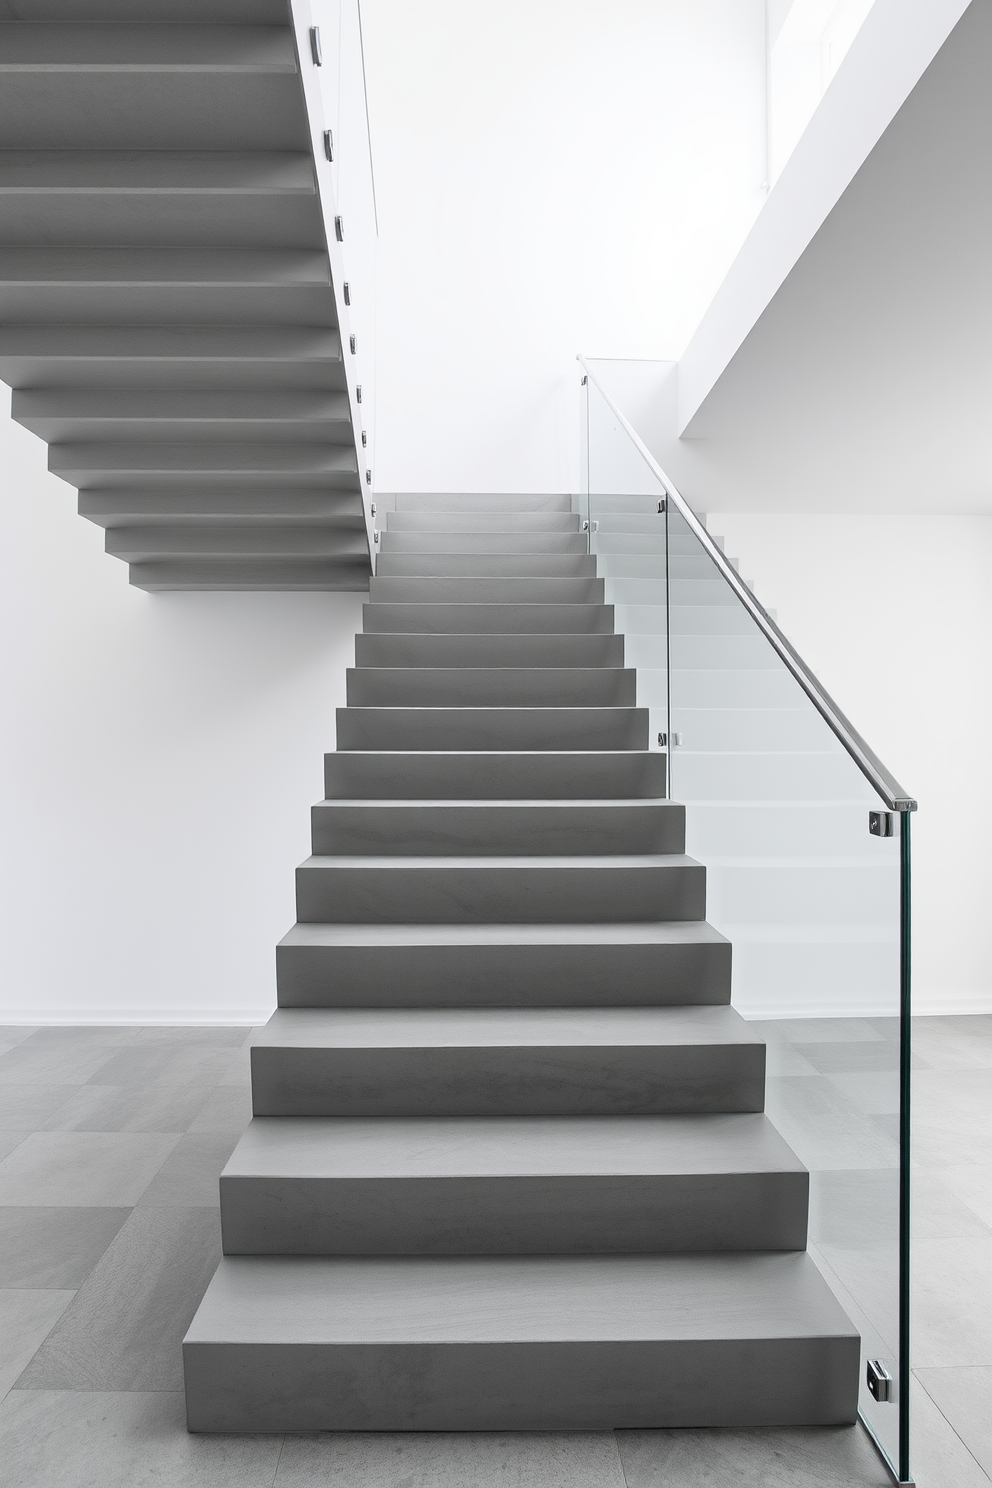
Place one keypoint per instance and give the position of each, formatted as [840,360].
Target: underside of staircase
[168,320]
[508,1167]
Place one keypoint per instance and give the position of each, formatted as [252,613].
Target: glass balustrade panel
[623,507]
[781,814]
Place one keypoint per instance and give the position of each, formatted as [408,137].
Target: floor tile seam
[74,1294]
[619,1452]
[983,1222]
[951,1427]
[275,1473]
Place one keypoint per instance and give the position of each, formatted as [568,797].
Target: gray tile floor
[111,1142]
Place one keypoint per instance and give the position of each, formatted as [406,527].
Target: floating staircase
[168,320]
[508,1167]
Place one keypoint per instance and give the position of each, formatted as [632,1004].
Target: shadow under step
[493,828]
[654,964]
[294,575]
[485,619]
[500,890]
[484,521]
[534,1343]
[575,1185]
[506,1062]
[487,565]
[491,687]
[496,503]
[459,651]
[515,774]
[511,728]
[495,541]
[450,589]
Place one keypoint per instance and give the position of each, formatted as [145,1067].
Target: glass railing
[805,839]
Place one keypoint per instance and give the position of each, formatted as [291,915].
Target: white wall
[894,615]
[552,176]
[158,758]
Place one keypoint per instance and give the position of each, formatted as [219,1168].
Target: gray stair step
[519,1343]
[444,589]
[179,462]
[492,828]
[151,87]
[195,504]
[499,505]
[245,573]
[487,565]
[512,1185]
[511,728]
[557,651]
[483,542]
[145,285]
[493,686]
[171,356]
[111,416]
[654,964]
[495,522]
[148,542]
[506,1062]
[204,198]
[501,890]
[476,619]
[125,49]
[534,774]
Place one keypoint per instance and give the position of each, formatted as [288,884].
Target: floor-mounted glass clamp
[879,1380]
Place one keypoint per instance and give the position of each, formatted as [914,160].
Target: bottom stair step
[528,1343]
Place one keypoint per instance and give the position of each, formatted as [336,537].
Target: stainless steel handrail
[865,758]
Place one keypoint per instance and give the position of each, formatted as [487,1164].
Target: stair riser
[483,542]
[521,1387]
[537,775]
[561,975]
[555,651]
[444,729]
[441,589]
[444,504]
[540,1080]
[237,574]
[198,218]
[544,1214]
[491,687]
[488,619]
[510,524]
[493,831]
[456,894]
[490,565]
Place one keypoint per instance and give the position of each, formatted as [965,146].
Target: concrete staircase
[168,320]
[508,1167]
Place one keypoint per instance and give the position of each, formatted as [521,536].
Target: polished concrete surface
[111,1144]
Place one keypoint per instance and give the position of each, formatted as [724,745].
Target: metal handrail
[865,758]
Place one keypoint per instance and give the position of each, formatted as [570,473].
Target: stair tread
[74,48]
[124,172]
[618,860]
[488,1027]
[140,264]
[651,932]
[459,1299]
[289,1147]
[490,803]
